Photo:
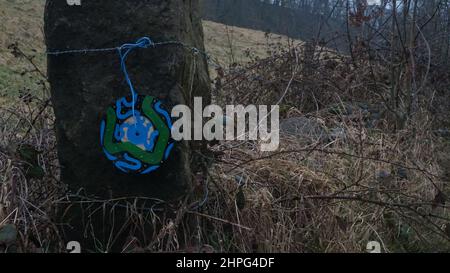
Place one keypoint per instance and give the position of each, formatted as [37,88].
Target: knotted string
[124,50]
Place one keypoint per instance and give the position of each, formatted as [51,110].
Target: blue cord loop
[124,50]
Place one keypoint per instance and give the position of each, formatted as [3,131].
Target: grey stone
[83,86]
[371,114]
[443,132]
[402,173]
[383,174]
[303,128]
[384,178]
[337,133]
[8,235]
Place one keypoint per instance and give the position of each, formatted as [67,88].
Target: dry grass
[333,195]
[317,197]
[326,197]
[29,175]
[230,45]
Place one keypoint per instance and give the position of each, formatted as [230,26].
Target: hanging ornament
[135,133]
[137,141]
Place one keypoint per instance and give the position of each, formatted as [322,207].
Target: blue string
[124,50]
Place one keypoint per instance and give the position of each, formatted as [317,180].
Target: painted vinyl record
[136,135]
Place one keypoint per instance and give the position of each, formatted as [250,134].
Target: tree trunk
[83,86]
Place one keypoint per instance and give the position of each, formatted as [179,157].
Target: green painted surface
[151,158]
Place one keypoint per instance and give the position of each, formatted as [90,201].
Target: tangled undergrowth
[364,181]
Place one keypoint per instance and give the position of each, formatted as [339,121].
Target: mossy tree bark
[84,85]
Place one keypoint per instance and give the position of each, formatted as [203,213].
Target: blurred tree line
[410,39]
